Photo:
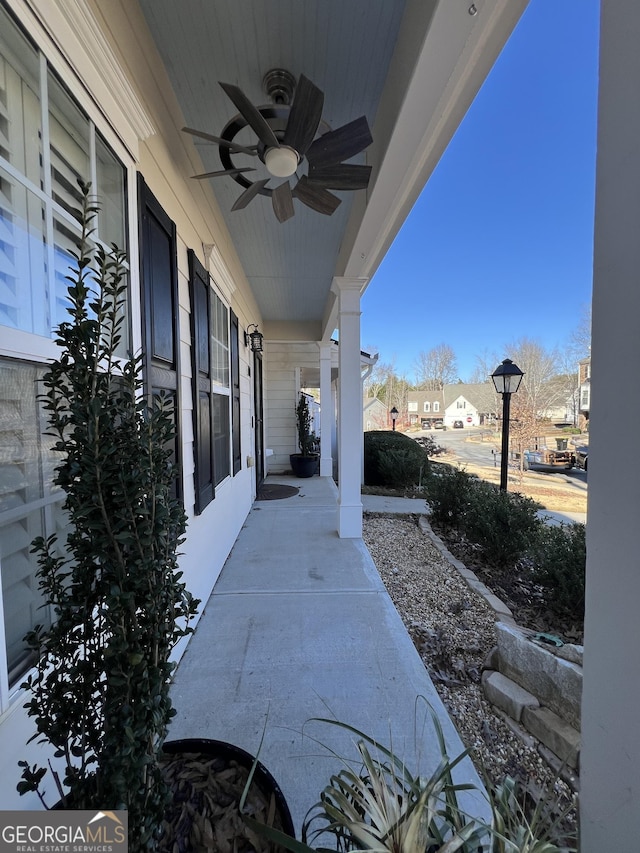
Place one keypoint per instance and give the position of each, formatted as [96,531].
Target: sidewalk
[299,625]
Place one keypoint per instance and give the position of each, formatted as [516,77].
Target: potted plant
[305,463]
[99,694]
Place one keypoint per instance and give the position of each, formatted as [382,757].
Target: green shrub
[448,491]
[99,693]
[559,566]
[504,524]
[393,459]
[398,468]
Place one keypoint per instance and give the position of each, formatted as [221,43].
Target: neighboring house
[424,408]
[472,404]
[375,414]
[101,91]
[584,385]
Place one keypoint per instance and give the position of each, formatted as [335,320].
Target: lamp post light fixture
[506,378]
[394,417]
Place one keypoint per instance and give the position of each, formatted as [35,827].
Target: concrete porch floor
[299,625]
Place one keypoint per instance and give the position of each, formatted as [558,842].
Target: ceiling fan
[289,132]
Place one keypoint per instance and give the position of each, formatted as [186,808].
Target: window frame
[19,341]
[201,386]
[24,346]
[221,391]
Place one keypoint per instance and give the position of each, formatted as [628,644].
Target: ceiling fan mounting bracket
[279,85]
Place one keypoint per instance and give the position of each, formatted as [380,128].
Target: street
[481,447]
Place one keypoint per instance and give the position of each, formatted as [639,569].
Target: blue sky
[499,245]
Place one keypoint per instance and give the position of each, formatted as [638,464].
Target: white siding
[166,160]
[285,369]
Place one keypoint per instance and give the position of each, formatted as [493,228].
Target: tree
[486,363]
[376,382]
[384,384]
[436,368]
[539,366]
[580,339]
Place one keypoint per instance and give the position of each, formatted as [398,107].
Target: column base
[350,521]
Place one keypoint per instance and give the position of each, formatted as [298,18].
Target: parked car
[439,425]
[581,455]
[458,425]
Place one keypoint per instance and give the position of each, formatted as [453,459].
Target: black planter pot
[222,754]
[303,466]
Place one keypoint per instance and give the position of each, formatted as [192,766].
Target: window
[427,407]
[215,362]
[436,407]
[201,382]
[47,142]
[221,389]
[236,445]
[461,404]
[30,506]
[412,406]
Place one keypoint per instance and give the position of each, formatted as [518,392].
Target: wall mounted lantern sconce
[253,339]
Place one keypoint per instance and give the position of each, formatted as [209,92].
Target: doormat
[276,492]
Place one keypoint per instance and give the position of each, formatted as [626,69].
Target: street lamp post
[394,417]
[506,378]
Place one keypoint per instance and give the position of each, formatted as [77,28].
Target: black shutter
[200,298]
[235,394]
[159,278]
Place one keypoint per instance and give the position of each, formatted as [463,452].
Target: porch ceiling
[410,66]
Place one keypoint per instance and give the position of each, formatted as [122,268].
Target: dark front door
[259,424]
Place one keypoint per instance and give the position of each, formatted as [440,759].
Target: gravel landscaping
[453,629]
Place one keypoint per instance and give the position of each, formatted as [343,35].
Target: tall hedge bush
[393,459]
[560,567]
[448,490]
[504,524]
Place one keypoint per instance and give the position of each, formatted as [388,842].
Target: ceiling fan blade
[315,197]
[244,199]
[221,172]
[251,115]
[341,144]
[232,146]
[305,115]
[282,201]
[342,176]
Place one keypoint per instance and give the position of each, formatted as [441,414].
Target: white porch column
[349,408]
[327,411]
[610,760]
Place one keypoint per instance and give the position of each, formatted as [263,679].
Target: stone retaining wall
[537,684]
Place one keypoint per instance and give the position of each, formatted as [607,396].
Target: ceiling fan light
[281,162]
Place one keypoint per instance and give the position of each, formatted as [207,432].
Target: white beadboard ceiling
[367,57]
